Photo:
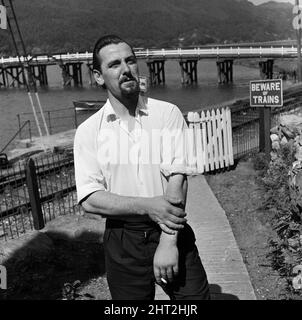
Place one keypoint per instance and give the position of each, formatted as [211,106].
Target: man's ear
[98,77]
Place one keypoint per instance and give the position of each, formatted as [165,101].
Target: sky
[262,1]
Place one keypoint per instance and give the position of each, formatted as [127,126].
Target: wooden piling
[188,69]
[156,71]
[72,71]
[14,76]
[225,71]
[90,72]
[266,69]
[3,76]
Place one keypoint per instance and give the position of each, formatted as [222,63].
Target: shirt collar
[142,108]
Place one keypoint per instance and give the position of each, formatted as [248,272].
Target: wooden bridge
[71,63]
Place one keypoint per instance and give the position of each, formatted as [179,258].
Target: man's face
[119,70]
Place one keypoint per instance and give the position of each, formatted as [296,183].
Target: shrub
[260,161]
[285,203]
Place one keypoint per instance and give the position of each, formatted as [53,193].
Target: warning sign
[266,93]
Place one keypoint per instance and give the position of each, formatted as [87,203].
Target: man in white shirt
[130,167]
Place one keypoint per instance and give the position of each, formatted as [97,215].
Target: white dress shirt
[137,163]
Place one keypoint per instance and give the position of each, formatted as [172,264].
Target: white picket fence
[210,140]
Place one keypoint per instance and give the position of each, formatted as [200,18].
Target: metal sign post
[266,94]
[264,130]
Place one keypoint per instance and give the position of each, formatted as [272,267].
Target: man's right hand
[168,216]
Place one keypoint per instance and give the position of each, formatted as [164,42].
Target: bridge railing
[216,51]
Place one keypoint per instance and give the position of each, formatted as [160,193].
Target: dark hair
[103,42]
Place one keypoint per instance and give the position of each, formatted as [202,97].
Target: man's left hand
[165,262]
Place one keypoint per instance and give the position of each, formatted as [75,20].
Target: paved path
[222,260]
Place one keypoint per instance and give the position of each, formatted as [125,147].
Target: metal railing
[19,133]
[57,120]
[35,191]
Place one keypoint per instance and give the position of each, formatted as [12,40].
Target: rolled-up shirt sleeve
[173,143]
[88,174]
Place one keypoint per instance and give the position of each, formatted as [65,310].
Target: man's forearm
[166,258]
[109,204]
[177,188]
[157,208]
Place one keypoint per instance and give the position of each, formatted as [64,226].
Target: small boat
[88,105]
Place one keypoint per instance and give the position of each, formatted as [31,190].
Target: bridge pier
[72,71]
[266,69]
[14,75]
[90,72]
[225,70]
[188,69]
[3,76]
[39,73]
[156,71]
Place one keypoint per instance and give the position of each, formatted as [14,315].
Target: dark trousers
[129,252]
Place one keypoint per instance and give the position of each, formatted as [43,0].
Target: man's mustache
[127,78]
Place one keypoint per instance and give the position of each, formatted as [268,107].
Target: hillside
[74,25]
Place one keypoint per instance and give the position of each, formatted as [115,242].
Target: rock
[294,243]
[287,132]
[298,154]
[274,137]
[274,156]
[275,130]
[298,140]
[297,282]
[291,121]
[299,180]
[297,269]
[283,141]
[276,145]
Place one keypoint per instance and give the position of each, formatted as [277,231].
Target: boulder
[275,130]
[298,154]
[274,156]
[291,121]
[287,132]
[283,141]
[276,145]
[274,137]
[298,140]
